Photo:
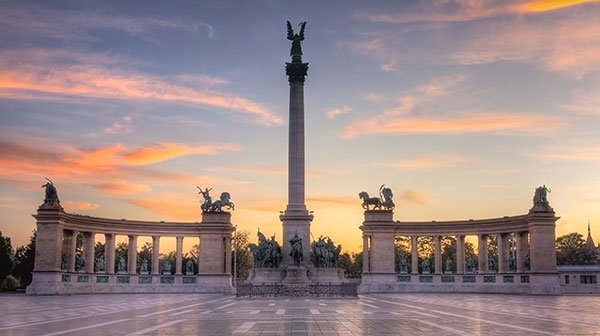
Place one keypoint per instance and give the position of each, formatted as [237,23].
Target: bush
[10,284]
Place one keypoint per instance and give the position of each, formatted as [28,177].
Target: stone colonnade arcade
[531,269]
[56,272]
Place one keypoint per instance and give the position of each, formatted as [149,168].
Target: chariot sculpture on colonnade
[209,206]
[384,202]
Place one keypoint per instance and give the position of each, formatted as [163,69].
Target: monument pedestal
[296,275]
[266,276]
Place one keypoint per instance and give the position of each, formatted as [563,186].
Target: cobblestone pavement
[382,314]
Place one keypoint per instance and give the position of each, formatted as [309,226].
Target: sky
[462,108]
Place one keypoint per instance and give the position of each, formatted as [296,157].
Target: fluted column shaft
[132,255]
[501,239]
[438,254]
[178,255]
[71,242]
[109,253]
[414,260]
[366,255]
[155,255]
[460,254]
[482,253]
[88,251]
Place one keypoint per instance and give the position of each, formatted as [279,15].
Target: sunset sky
[461,107]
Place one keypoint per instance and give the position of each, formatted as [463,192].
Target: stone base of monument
[266,276]
[326,275]
[296,275]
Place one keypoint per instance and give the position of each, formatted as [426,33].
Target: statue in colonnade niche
[166,267]
[208,206]
[470,265]
[64,261]
[384,202]
[512,265]
[425,266]
[189,267]
[491,264]
[100,264]
[80,264]
[121,265]
[448,269]
[144,266]
[403,265]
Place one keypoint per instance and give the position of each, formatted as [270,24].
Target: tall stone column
[482,253]
[522,250]
[132,255]
[438,254]
[71,251]
[88,251]
[227,255]
[155,255]
[460,254]
[414,261]
[366,254]
[501,240]
[178,255]
[109,252]
[296,218]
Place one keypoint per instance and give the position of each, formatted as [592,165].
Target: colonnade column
[109,253]
[88,251]
[178,255]
[71,237]
[482,252]
[227,255]
[501,240]
[438,254]
[414,261]
[132,255]
[366,255]
[155,255]
[199,253]
[460,254]
[521,250]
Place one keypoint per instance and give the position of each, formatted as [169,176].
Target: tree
[243,260]
[24,261]
[6,257]
[571,250]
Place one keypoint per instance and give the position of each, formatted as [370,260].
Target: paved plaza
[216,314]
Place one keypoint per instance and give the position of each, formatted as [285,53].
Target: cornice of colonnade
[506,224]
[84,223]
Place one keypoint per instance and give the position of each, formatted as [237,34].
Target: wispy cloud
[435,162]
[498,123]
[570,152]
[159,152]
[121,186]
[413,196]
[172,206]
[461,11]
[25,75]
[335,112]
[121,126]
[585,102]
[73,24]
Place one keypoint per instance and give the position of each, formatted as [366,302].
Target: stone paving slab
[376,314]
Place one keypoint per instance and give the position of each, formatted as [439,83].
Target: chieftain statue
[208,206]
[267,254]
[324,253]
[384,202]
[296,249]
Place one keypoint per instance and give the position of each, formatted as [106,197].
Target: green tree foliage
[571,250]
[6,257]
[352,264]
[243,258]
[24,262]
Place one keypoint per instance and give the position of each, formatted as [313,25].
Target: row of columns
[70,243]
[502,239]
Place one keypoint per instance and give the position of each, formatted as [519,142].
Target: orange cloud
[22,75]
[159,152]
[77,205]
[338,111]
[549,5]
[470,123]
[122,186]
[172,206]
[413,196]
[435,162]
[329,200]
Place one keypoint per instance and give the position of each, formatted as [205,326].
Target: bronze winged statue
[296,38]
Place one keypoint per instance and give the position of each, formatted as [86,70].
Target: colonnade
[56,270]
